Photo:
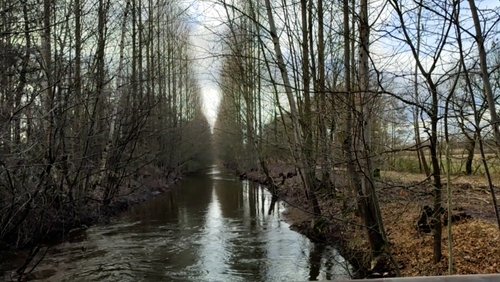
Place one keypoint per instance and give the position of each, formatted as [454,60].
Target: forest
[378,119]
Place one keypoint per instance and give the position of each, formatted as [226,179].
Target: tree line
[97,99]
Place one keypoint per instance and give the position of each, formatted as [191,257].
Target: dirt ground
[476,237]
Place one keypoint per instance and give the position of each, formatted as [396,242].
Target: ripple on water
[215,232]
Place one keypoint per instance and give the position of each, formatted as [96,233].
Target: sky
[205,23]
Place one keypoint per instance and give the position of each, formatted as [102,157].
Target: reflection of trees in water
[315,256]
[244,198]
[205,229]
[192,196]
[230,196]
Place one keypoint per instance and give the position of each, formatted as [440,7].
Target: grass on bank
[405,162]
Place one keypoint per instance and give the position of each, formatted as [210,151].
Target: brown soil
[476,238]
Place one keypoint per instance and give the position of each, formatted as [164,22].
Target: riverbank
[60,222]
[402,197]
[209,227]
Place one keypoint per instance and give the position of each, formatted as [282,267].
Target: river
[212,227]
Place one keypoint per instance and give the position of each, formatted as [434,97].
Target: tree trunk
[306,120]
[477,120]
[422,160]
[297,130]
[47,65]
[323,142]
[436,172]
[471,146]
[373,217]
[363,185]
[488,92]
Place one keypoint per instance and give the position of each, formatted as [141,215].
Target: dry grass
[408,177]
[475,245]
[404,162]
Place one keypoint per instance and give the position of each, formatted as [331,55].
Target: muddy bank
[402,199]
[331,229]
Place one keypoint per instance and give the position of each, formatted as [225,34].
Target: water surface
[212,227]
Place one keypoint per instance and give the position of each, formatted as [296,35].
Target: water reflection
[211,228]
[213,254]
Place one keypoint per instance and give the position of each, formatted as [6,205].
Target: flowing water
[212,227]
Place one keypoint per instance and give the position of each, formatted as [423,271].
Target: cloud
[205,22]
